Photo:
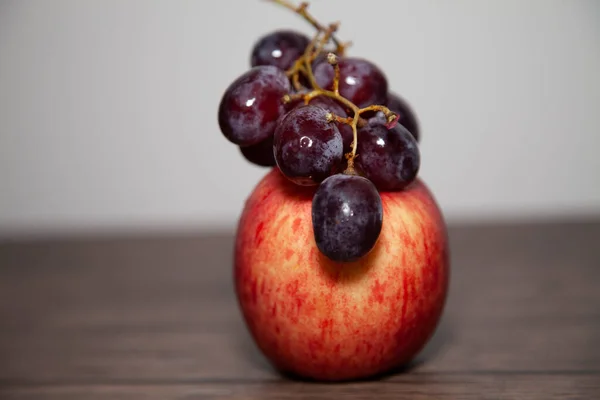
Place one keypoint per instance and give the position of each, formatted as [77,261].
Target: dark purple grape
[261,153]
[251,105]
[407,117]
[307,147]
[347,216]
[280,49]
[331,105]
[390,158]
[361,81]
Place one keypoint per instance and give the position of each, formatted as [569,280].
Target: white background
[108,107]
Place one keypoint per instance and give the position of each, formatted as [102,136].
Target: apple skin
[328,321]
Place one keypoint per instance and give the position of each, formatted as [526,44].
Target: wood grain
[155,317]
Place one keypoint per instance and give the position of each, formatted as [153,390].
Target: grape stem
[304,66]
[333,60]
[302,10]
[353,121]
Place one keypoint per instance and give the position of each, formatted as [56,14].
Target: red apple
[339,321]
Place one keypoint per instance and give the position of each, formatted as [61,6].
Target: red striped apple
[331,321]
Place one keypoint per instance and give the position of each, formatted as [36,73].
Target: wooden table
[156,318]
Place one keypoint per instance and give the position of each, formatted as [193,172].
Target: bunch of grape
[328,120]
